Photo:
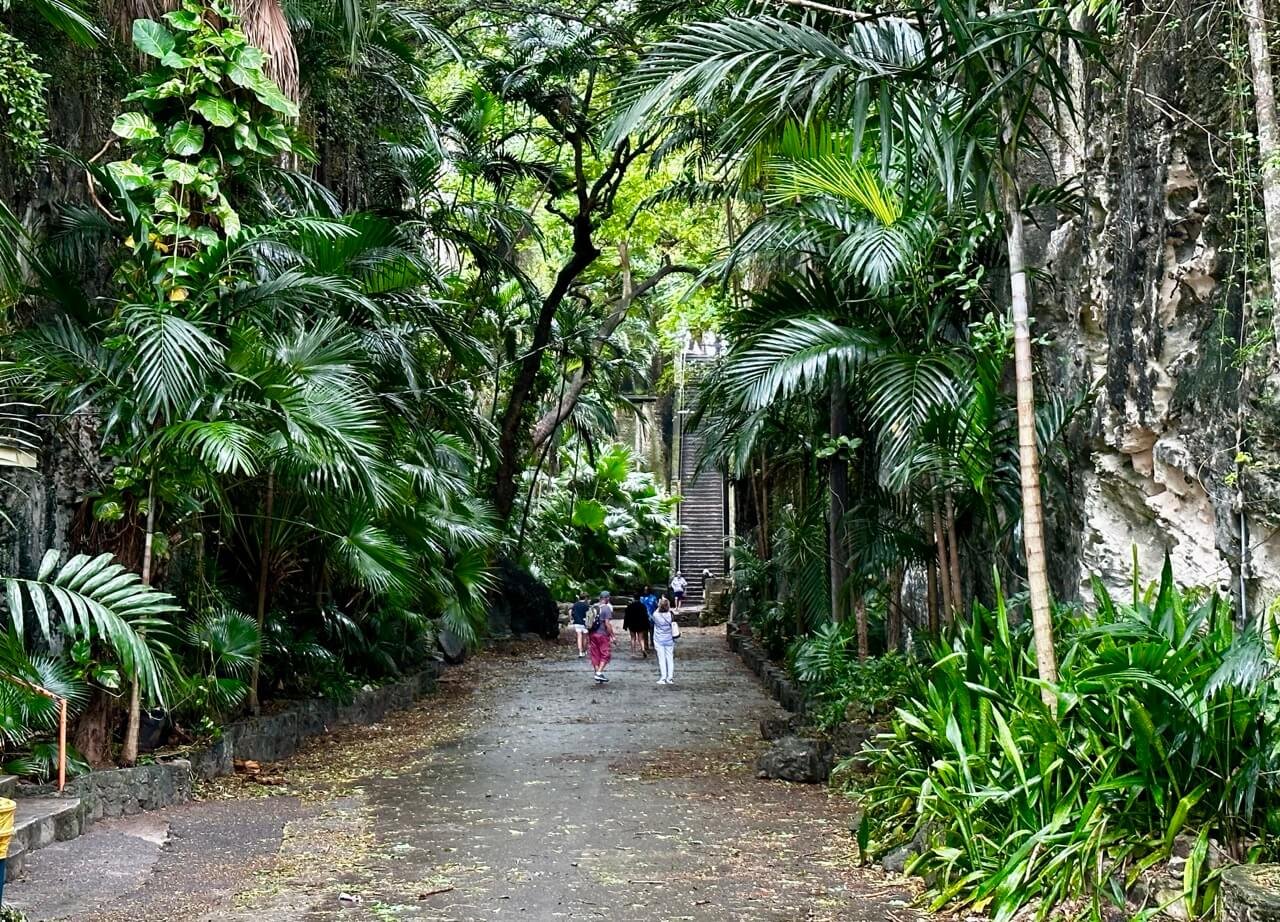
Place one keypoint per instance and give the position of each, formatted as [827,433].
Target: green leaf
[184,20]
[181,173]
[14,592]
[134,126]
[151,38]
[216,110]
[270,96]
[589,514]
[177,61]
[275,135]
[185,139]
[206,236]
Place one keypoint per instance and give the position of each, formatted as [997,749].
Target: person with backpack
[600,636]
[578,615]
[665,633]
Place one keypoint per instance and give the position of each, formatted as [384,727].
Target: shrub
[839,685]
[1164,728]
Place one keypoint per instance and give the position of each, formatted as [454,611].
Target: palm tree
[958,86]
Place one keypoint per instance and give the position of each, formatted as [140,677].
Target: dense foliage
[324,315]
[1163,731]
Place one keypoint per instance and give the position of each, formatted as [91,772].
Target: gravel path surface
[522,791]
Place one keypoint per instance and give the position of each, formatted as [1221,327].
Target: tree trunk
[264,572]
[129,753]
[953,548]
[838,504]
[1264,104]
[92,737]
[1028,451]
[944,562]
[860,620]
[931,595]
[893,612]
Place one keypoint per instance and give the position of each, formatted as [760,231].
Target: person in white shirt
[678,586]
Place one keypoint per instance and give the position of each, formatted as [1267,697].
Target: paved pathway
[522,792]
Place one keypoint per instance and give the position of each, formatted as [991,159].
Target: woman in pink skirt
[600,636]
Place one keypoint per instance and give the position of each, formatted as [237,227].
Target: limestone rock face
[1146,312]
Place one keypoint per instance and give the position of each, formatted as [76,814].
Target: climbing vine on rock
[23,120]
[197,122]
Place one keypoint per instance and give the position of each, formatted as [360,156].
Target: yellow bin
[7,809]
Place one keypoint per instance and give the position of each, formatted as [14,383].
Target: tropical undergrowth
[1161,739]
[600,524]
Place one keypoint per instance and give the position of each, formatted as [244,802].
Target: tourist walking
[678,586]
[600,634]
[650,600]
[578,618]
[635,621]
[664,642]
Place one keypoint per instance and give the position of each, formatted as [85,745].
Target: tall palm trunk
[893,611]
[953,550]
[1264,105]
[931,595]
[944,561]
[838,503]
[129,751]
[860,619]
[264,573]
[1028,453]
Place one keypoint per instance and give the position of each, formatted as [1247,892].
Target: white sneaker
[661,682]
[581,654]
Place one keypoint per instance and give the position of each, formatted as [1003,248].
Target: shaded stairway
[701,546]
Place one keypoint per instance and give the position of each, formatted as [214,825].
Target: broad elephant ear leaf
[102,599]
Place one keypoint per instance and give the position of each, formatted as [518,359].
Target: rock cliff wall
[1148,309]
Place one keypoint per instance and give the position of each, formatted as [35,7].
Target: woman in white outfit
[664,642]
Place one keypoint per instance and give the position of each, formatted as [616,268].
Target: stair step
[41,821]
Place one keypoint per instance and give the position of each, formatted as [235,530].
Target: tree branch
[553,418]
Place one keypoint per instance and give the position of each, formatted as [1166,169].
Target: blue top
[650,603]
[579,613]
[662,628]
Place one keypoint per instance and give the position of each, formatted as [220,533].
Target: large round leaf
[185,139]
[134,126]
[151,38]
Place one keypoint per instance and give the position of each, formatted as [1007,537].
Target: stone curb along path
[525,792]
[45,816]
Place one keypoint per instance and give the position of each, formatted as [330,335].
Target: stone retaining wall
[773,676]
[125,791]
[273,737]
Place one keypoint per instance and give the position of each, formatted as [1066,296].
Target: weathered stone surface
[794,758]
[1251,893]
[772,728]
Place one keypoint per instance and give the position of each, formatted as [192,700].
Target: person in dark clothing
[578,615]
[636,622]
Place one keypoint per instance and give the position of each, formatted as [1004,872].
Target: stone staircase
[702,515]
[39,821]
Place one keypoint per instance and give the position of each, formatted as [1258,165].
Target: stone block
[794,758]
[1251,893]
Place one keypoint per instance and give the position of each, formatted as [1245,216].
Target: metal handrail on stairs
[62,721]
